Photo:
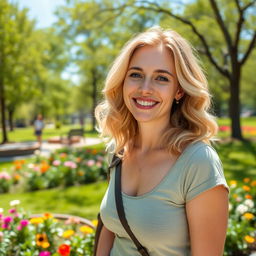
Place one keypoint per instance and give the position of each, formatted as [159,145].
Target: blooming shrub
[64,168]
[43,236]
[241,234]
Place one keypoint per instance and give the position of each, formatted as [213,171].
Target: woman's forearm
[105,243]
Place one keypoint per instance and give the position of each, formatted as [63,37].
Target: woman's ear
[179,94]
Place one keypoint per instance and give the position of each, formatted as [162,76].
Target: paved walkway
[47,148]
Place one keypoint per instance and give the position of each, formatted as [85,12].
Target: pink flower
[44,253]
[5,225]
[90,162]
[56,162]
[5,176]
[13,210]
[24,223]
[70,164]
[19,228]
[99,164]
[7,219]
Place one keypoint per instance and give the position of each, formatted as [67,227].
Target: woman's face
[151,85]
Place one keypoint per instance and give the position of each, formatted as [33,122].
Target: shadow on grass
[238,158]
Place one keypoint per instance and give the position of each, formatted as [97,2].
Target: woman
[155,112]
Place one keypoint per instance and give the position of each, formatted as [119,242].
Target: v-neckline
[163,179]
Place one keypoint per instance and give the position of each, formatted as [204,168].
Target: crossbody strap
[120,210]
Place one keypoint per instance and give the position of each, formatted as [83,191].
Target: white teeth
[145,103]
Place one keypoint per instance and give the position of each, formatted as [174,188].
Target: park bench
[74,133]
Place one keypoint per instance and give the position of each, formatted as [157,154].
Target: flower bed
[241,234]
[43,236]
[63,168]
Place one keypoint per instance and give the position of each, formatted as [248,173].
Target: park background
[57,65]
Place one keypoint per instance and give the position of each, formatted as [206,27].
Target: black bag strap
[120,209]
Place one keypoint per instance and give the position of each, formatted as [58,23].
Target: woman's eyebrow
[157,70]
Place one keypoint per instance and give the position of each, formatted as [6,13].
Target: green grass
[27,134]
[81,201]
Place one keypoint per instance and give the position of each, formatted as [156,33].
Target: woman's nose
[146,86]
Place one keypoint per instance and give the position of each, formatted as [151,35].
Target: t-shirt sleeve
[203,172]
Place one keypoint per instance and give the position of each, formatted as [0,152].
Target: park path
[48,148]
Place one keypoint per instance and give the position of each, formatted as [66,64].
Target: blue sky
[41,10]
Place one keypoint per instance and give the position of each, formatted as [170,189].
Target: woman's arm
[105,243]
[207,216]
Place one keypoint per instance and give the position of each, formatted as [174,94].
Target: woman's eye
[135,75]
[162,78]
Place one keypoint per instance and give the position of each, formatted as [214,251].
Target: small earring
[177,102]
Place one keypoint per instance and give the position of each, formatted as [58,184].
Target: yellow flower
[235,196]
[246,188]
[247,180]
[86,229]
[233,183]
[248,216]
[68,233]
[249,239]
[42,240]
[95,223]
[36,220]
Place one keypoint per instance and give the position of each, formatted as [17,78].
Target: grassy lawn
[27,134]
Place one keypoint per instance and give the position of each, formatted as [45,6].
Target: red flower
[64,250]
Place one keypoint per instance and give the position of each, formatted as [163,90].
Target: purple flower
[45,253]
[13,210]
[7,219]
[24,223]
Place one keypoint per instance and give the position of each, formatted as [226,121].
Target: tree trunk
[234,104]
[10,118]
[94,97]
[3,109]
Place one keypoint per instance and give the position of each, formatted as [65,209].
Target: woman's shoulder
[200,152]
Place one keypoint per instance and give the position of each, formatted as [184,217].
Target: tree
[235,21]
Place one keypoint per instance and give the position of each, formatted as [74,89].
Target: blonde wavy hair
[190,120]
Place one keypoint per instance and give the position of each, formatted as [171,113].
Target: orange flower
[247,180]
[18,166]
[64,250]
[44,167]
[16,176]
[42,240]
[63,155]
[249,239]
[246,188]
[253,183]
[247,196]
[47,216]
[94,151]
[78,159]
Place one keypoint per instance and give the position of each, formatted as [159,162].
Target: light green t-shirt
[158,218]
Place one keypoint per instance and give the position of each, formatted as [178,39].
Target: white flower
[249,203]
[1,210]
[14,202]
[253,253]
[239,199]
[31,166]
[241,208]
[230,207]
[37,152]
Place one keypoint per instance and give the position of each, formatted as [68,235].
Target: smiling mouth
[145,104]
